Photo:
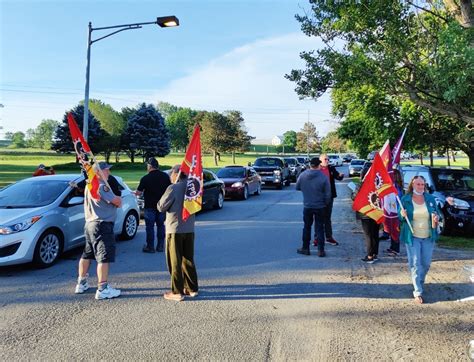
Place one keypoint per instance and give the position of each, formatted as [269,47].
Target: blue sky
[226,54]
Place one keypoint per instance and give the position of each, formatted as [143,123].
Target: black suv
[273,171]
[448,181]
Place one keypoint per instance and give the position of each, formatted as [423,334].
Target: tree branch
[427,10]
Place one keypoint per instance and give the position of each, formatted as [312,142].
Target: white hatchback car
[40,217]
[335,160]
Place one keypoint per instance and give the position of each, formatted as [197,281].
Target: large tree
[180,123]
[238,138]
[422,51]
[307,139]
[42,136]
[289,141]
[146,133]
[214,134]
[112,123]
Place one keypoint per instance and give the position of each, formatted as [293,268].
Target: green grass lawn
[18,164]
[458,242]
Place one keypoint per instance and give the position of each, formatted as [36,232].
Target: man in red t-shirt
[332,174]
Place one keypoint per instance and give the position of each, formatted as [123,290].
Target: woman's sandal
[419,300]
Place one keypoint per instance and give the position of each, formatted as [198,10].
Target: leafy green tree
[333,143]
[62,137]
[18,140]
[180,124]
[112,123]
[146,133]
[424,53]
[42,136]
[9,136]
[167,109]
[307,139]
[214,134]
[238,138]
[289,140]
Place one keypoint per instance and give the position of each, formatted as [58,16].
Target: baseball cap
[152,162]
[104,165]
[41,166]
[315,162]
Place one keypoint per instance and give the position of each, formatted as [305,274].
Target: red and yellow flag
[386,156]
[192,166]
[375,186]
[84,155]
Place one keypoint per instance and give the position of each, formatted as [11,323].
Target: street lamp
[162,22]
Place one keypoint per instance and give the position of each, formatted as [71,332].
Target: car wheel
[220,201]
[245,195]
[280,186]
[130,226]
[259,189]
[48,248]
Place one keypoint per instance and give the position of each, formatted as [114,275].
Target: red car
[240,181]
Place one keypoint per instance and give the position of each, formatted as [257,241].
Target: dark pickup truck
[273,171]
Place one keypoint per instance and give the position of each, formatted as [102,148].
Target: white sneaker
[81,287]
[107,293]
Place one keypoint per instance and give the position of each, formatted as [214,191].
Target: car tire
[259,189]
[245,194]
[280,186]
[130,226]
[219,201]
[48,248]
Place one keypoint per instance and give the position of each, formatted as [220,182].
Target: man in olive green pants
[179,240]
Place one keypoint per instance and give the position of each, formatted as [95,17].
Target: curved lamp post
[162,22]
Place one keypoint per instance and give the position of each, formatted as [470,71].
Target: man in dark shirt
[153,186]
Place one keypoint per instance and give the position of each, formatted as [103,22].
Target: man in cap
[153,186]
[179,239]
[99,233]
[316,197]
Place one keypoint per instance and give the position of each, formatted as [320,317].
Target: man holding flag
[181,200]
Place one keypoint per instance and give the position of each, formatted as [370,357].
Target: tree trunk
[470,154]
[233,157]
[117,157]
[448,157]
[215,157]
[107,156]
[431,155]
[421,158]
[132,157]
[219,156]
[454,156]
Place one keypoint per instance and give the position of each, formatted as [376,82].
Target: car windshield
[231,172]
[453,180]
[290,161]
[301,159]
[270,162]
[31,194]
[357,162]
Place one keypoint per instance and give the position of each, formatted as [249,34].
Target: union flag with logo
[375,186]
[85,157]
[192,166]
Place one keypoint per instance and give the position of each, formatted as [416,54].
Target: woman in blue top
[423,213]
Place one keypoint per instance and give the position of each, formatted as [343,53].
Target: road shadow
[440,292]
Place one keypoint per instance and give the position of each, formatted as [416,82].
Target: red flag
[376,185]
[386,156]
[84,155]
[192,166]
[397,150]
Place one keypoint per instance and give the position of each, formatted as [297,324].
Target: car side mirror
[76,200]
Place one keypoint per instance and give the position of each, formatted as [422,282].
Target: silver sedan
[41,217]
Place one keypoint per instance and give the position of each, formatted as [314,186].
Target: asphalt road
[258,300]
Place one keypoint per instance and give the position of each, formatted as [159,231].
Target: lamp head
[167,21]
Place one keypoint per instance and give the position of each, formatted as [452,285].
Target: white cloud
[250,78]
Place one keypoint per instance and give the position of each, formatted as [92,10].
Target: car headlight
[277,172]
[237,184]
[21,226]
[460,204]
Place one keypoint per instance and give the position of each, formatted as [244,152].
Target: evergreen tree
[147,134]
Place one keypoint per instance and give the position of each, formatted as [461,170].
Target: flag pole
[406,216]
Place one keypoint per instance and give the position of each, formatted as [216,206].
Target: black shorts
[100,241]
